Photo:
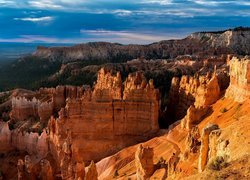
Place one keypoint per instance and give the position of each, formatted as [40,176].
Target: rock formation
[34,169]
[172,163]
[144,162]
[193,117]
[33,143]
[80,171]
[20,170]
[91,172]
[46,170]
[43,103]
[103,121]
[5,137]
[239,88]
[193,142]
[204,150]
[199,91]
[232,41]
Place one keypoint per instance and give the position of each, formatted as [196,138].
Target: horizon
[141,22]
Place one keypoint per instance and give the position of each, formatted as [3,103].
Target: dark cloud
[110,20]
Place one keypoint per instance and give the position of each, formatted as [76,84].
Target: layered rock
[110,117]
[202,43]
[144,162]
[239,88]
[200,91]
[193,140]
[43,103]
[34,169]
[33,143]
[204,150]
[91,172]
[172,163]
[46,170]
[5,137]
[193,117]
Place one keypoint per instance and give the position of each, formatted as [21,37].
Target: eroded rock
[239,88]
[204,150]
[91,172]
[144,162]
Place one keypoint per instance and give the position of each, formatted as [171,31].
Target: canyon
[180,118]
[214,146]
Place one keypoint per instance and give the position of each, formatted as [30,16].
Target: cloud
[221,2]
[30,39]
[44,4]
[161,2]
[35,19]
[122,12]
[127,36]
[4,3]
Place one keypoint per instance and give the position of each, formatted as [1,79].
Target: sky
[121,21]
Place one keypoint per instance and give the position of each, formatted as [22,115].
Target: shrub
[11,126]
[116,173]
[218,163]
[40,131]
[223,110]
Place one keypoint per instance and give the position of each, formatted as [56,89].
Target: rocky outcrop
[91,172]
[172,164]
[108,118]
[5,137]
[197,92]
[204,150]
[239,88]
[43,103]
[46,170]
[144,162]
[34,169]
[30,142]
[193,140]
[33,143]
[234,39]
[193,117]
[80,171]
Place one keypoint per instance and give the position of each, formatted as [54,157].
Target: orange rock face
[144,162]
[91,172]
[33,143]
[199,91]
[239,88]
[110,117]
[204,150]
[43,103]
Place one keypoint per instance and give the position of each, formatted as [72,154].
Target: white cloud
[127,36]
[161,2]
[221,2]
[122,12]
[45,4]
[30,39]
[35,19]
[6,3]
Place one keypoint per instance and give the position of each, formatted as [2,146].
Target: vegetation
[218,163]
[24,72]
[161,163]
[116,174]
[4,97]
[223,110]
[11,126]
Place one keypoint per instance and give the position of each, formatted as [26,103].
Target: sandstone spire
[144,162]
[91,172]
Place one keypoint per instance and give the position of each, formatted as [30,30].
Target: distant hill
[233,41]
